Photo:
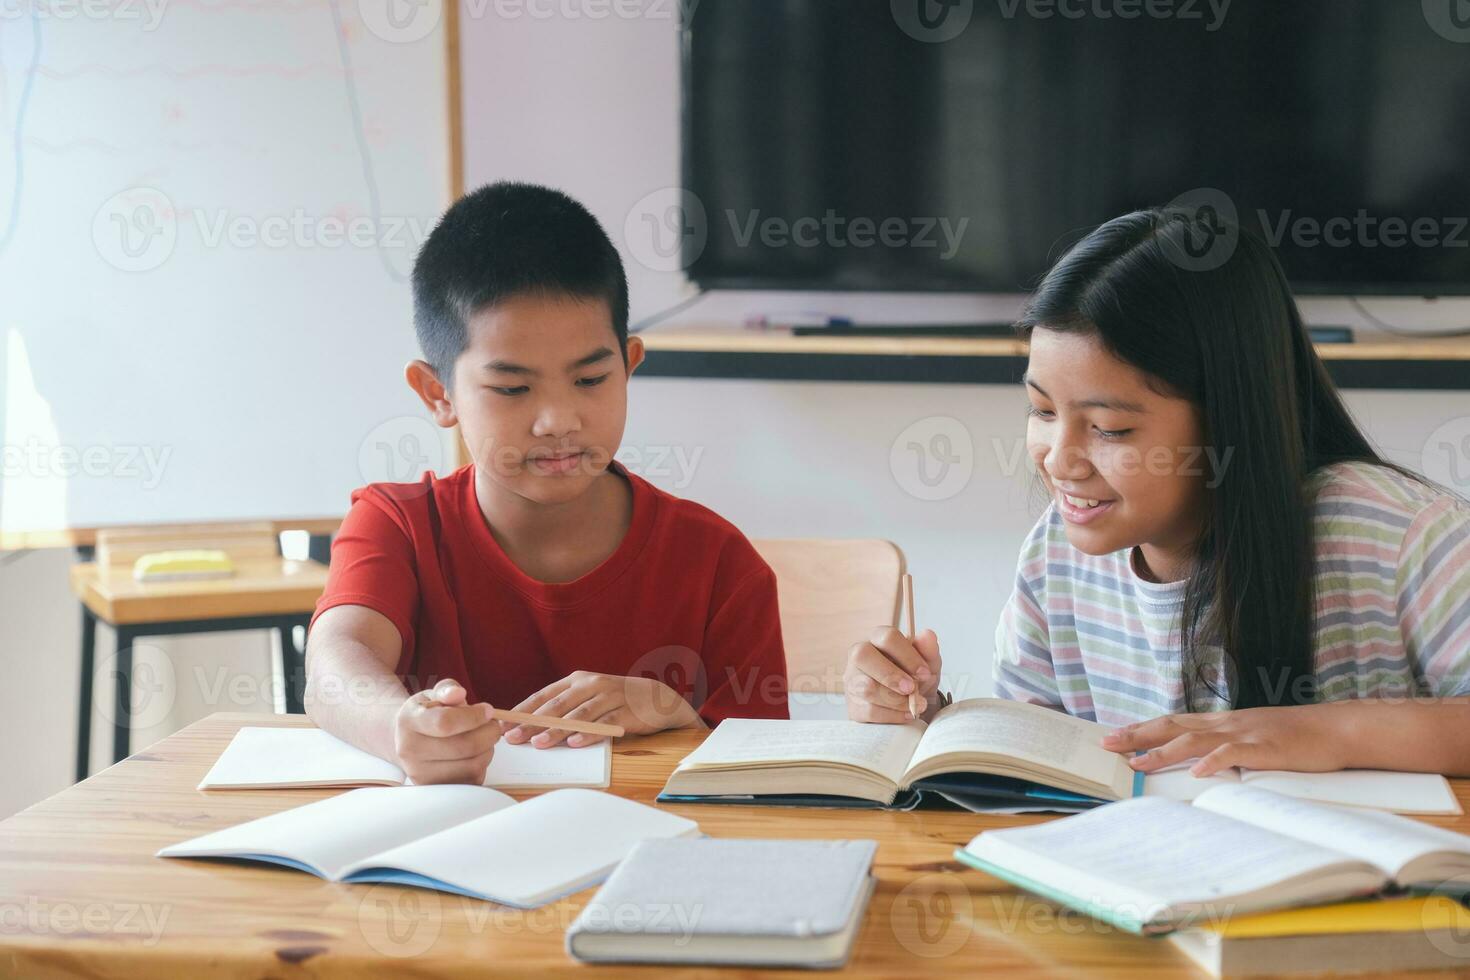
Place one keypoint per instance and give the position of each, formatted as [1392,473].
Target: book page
[524,766]
[1397,792]
[262,757]
[1151,850]
[1384,840]
[333,833]
[1175,782]
[537,850]
[1045,738]
[884,749]
[258,757]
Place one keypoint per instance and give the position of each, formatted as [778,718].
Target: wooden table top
[259,587]
[82,894]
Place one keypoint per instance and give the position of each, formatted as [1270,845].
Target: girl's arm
[1415,734]
[1408,734]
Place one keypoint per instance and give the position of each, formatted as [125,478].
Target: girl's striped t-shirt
[1088,634]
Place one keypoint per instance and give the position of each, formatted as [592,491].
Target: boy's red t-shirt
[685,599]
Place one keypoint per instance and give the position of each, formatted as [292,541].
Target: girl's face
[1123,463]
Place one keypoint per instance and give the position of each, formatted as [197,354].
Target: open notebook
[1153,865]
[294,758]
[1423,793]
[469,840]
[984,754]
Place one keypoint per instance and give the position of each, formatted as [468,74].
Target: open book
[468,840]
[292,758]
[985,754]
[1401,792]
[795,761]
[1154,865]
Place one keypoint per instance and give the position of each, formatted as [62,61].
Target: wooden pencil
[552,722]
[560,724]
[908,601]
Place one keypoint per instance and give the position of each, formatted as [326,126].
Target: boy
[543,576]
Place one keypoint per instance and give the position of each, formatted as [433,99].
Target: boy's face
[540,394]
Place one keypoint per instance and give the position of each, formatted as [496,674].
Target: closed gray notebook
[712,900]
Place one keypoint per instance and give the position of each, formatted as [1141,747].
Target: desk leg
[84,705]
[293,665]
[122,719]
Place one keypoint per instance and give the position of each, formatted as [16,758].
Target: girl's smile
[1076,510]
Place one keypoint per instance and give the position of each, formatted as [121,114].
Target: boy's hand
[1301,738]
[441,739]
[884,671]
[641,705]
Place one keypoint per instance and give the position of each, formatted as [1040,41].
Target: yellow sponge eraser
[162,566]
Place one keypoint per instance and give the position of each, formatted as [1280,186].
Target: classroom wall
[591,105]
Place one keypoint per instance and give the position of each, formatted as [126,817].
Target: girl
[1227,571]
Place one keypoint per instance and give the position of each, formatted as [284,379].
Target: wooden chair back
[832,593]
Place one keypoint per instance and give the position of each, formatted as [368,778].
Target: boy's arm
[351,689]
[353,692]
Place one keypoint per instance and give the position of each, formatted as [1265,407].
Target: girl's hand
[641,705]
[1301,738]
[884,671]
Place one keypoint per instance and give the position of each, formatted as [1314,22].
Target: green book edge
[1135,926]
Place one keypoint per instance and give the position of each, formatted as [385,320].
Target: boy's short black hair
[504,240]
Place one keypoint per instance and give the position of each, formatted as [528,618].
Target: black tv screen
[920,144]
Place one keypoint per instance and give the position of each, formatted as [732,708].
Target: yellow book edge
[1410,913]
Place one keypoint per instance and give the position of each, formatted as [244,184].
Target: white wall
[196,198]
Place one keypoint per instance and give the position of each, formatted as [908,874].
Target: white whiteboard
[208,213]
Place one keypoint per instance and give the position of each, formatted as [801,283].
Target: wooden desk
[699,350]
[259,587]
[82,894]
[264,593]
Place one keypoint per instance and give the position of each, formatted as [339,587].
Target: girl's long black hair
[1219,327]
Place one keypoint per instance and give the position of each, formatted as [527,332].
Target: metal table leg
[84,700]
[122,675]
